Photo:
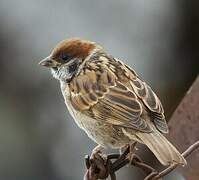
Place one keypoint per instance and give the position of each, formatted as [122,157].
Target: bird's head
[68,57]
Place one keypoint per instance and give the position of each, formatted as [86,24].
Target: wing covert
[99,95]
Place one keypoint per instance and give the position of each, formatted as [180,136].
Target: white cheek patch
[62,74]
[66,71]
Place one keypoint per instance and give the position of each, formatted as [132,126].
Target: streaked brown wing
[152,102]
[101,96]
[146,96]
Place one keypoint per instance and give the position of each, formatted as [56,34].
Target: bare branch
[173,166]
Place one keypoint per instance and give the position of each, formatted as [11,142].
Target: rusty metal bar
[184,129]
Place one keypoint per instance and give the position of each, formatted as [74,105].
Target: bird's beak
[48,62]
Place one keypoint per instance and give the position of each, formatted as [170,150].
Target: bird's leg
[124,148]
[132,149]
[132,152]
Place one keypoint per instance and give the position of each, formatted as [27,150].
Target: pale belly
[103,134]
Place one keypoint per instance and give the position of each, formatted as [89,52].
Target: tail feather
[165,152]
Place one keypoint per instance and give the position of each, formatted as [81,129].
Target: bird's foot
[97,151]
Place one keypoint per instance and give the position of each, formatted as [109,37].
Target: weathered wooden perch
[184,132]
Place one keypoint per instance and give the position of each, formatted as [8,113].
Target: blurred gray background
[38,138]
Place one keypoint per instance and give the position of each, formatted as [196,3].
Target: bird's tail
[165,152]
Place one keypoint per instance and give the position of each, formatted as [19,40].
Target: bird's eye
[66,57]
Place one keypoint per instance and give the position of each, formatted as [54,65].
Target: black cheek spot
[72,68]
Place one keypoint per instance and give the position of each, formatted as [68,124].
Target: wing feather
[110,91]
[107,100]
[147,97]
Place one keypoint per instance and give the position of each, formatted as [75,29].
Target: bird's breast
[83,121]
[102,133]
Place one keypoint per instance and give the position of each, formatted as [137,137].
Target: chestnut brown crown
[74,48]
[68,57]
[68,50]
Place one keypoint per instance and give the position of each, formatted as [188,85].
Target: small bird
[109,101]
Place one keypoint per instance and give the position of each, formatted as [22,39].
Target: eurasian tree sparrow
[108,100]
